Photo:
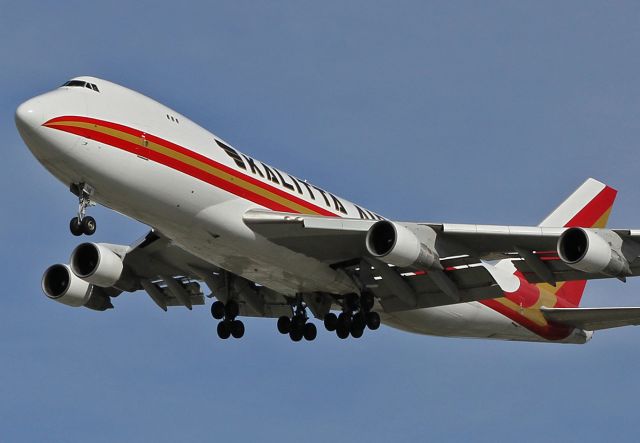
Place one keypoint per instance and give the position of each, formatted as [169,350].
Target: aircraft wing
[534,249]
[593,319]
[340,243]
[332,240]
[170,276]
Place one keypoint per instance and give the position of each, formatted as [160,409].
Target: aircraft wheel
[358,322]
[237,329]
[88,225]
[217,310]
[75,227]
[298,321]
[344,321]
[330,321]
[295,334]
[310,332]
[231,309]
[342,332]
[373,320]
[356,332]
[223,330]
[284,324]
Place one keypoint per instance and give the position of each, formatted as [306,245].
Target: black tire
[310,332]
[299,321]
[231,309]
[342,332]
[237,329]
[284,325]
[358,322]
[344,321]
[373,320]
[223,330]
[217,310]
[330,321]
[75,227]
[295,334]
[366,301]
[88,225]
[356,332]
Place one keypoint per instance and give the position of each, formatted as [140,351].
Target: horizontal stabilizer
[593,319]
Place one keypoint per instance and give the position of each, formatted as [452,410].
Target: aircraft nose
[29,115]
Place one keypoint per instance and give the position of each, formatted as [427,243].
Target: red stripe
[182,167]
[549,332]
[591,213]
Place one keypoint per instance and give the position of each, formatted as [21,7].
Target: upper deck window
[81,84]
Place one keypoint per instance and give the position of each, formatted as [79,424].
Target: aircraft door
[143,149]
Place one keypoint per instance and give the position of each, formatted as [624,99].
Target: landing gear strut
[356,315]
[298,327]
[82,224]
[227,313]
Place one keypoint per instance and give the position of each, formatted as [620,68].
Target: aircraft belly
[204,220]
[470,320]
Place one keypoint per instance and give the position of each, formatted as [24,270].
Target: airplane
[269,244]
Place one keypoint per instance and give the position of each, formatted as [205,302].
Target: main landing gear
[356,315]
[82,224]
[298,327]
[227,312]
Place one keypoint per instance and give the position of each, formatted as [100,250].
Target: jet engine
[97,264]
[61,285]
[396,245]
[593,251]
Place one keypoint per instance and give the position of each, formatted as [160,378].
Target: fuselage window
[94,87]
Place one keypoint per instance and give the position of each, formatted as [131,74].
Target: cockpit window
[75,83]
[81,84]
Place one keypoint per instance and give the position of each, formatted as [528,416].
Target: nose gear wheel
[82,224]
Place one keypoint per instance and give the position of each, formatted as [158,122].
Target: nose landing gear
[82,224]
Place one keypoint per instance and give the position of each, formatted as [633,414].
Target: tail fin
[588,207]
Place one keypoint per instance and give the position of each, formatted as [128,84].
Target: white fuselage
[205,219]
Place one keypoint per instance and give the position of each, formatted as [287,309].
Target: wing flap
[328,239]
[473,283]
[593,319]
[563,272]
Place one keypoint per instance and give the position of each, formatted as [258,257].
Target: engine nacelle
[396,245]
[96,264]
[589,251]
[61,285]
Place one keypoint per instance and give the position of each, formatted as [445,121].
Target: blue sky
[460,111]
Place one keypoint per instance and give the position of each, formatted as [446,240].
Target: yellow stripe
[532,313]
[602,221]
[183,158]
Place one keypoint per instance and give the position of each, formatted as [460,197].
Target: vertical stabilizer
[588,207]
